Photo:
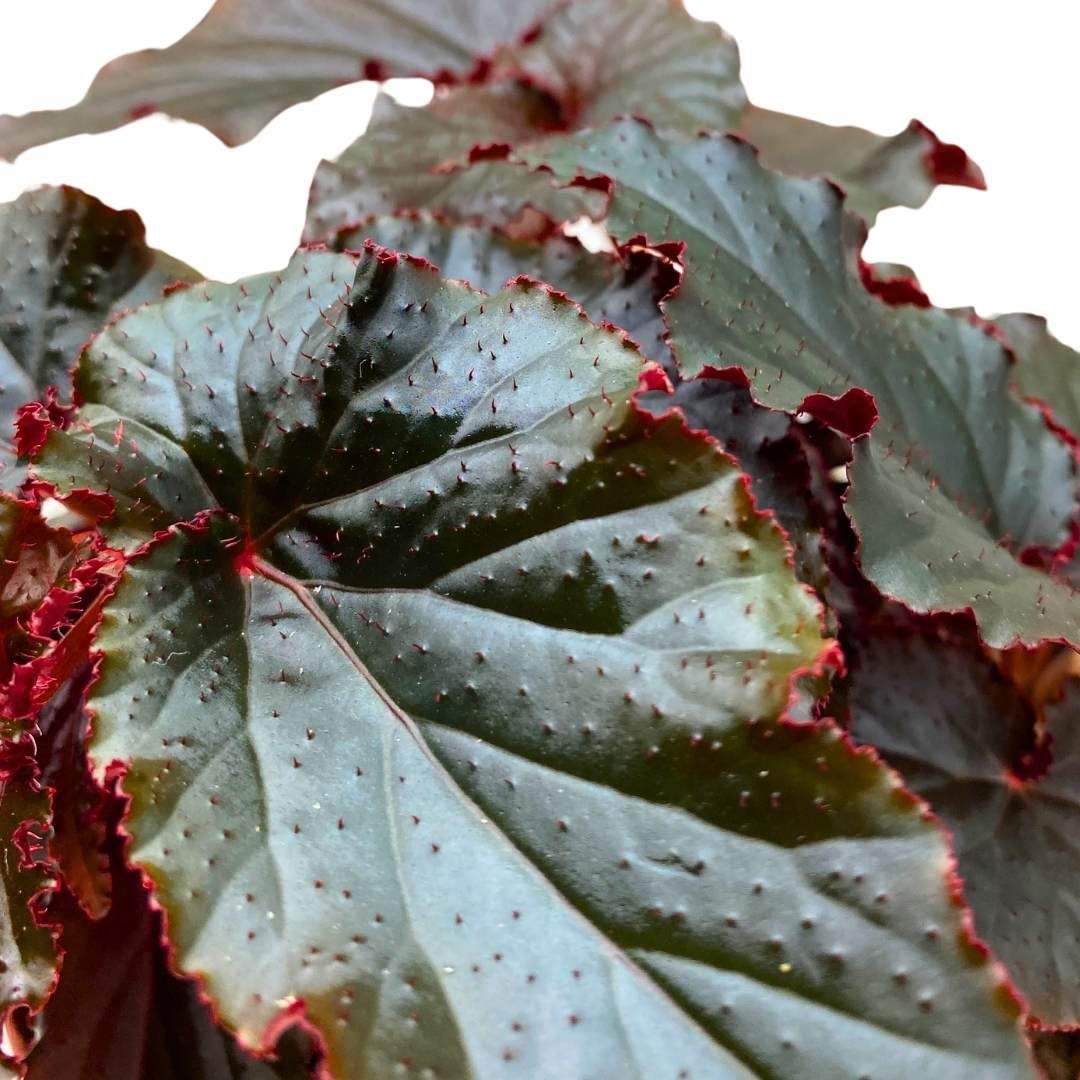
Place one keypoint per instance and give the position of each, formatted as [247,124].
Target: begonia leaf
[958,472]
[450,686]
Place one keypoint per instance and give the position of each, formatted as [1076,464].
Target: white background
[998,77]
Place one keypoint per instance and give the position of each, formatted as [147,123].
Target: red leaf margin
[850,412]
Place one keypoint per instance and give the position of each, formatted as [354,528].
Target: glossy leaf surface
[67,262]
[457,717]
[955,464]
[625,293]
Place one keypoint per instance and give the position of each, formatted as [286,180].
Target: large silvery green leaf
[67,262]
[611,290]
[958,733]
[956,462]
[247,60]
[1046,369]
[593,60]
[456,717]
[875,171]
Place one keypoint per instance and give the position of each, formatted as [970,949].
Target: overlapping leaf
[32,557]
[960,737]
[46,580]
[456,717]
[79,806]
[956,463]
[593,60]
[447,157]
[1047,370]
[624,292]
[67,262]
[876,171]
[118,1012]
[767,447]
[581,63]
[34,565]
[604,58]
[250,59]
[762,440]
